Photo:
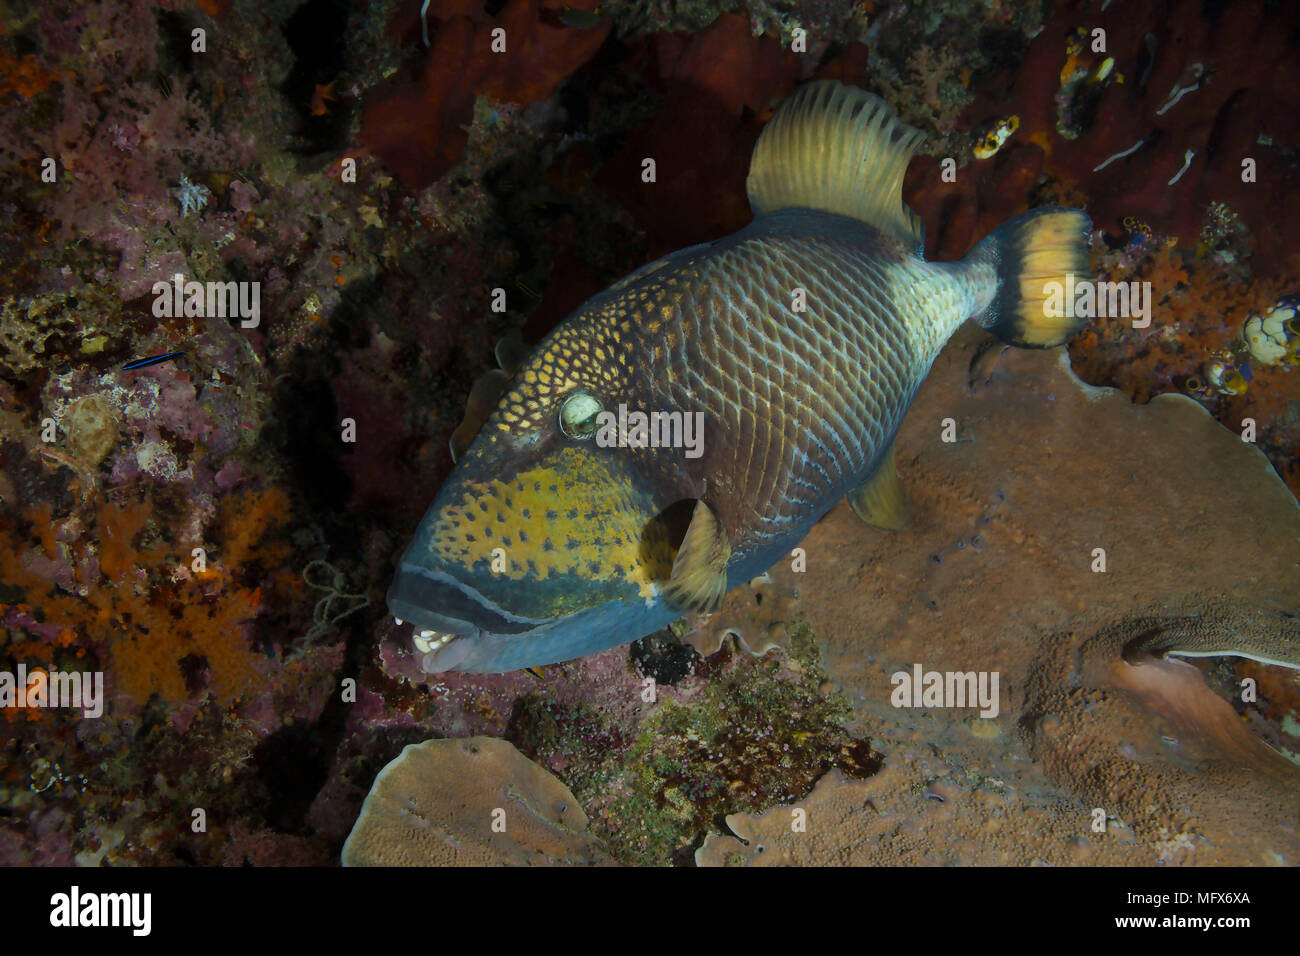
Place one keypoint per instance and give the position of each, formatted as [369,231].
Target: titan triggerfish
[797,344]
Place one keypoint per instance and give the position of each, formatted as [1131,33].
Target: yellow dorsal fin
[879,501]
[699,576]
[839,149]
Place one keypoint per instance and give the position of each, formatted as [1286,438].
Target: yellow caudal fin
[1039,256]
[839,149]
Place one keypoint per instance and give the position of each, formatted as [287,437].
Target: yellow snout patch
[575,514]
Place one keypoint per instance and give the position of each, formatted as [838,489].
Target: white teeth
[398,621]
[426,641]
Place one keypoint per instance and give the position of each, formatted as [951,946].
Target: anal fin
[699,576]
[879,501]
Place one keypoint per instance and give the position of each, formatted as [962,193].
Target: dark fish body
[800,405]
[799,343]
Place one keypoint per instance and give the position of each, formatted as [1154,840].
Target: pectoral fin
[699,576]
[510,353]
[879,500]
[483,397]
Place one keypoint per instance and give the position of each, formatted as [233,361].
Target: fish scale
[843,371]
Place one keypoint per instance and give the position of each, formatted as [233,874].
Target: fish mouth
[437,651]
[450,618]
[456,628]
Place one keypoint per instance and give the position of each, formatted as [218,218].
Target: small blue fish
[582,19]
[152,360]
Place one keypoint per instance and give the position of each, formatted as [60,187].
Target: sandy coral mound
[888,820]
[999,572]
[471,802]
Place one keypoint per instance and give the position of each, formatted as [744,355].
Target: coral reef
[520,56]
[155,624]
[740,734]
[1196,344]
[1100,114]
[379,190]
[997,573]
[472,802]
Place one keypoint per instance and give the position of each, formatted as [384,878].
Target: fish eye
[578,415]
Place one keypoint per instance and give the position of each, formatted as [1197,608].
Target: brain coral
[471,802]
